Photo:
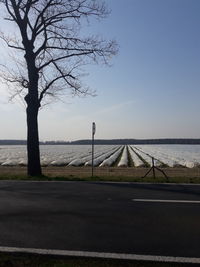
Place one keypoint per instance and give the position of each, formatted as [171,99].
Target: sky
[151,89]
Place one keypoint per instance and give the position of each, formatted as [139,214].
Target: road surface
[141,219]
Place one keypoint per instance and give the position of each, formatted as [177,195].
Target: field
[114,163]
[107,156]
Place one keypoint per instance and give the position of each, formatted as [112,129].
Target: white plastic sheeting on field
[62,155]
[144,156]
[124,158]
[168,160]
[98,160]
[12,155]
[79,161]
[147,157]
[61,161]
[109,161]
[86,160]
[136,160]
[10,162]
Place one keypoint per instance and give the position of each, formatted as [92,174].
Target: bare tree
[52,49]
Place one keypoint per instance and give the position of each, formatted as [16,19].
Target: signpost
[93,133]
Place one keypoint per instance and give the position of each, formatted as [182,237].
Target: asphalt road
[101,217]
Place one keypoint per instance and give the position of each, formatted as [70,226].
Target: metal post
[93,133]
[154,175]
[92,154]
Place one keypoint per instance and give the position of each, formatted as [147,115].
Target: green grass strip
[23,260]
[161,179]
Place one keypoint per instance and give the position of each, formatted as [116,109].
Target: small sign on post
[93,128]
[93,133]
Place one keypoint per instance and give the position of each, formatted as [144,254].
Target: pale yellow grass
[102,171]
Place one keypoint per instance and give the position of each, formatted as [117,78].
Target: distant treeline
[172,141]
[12,142]
[169,141]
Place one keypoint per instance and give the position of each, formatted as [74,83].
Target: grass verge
[102,178]
[23,260]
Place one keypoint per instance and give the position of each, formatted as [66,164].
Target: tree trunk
[34,167]
[33,104]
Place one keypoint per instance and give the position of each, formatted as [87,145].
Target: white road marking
[167,201]
[108,255]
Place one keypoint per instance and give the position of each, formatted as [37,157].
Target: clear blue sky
[152,89]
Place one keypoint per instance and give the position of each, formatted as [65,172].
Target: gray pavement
[101,217]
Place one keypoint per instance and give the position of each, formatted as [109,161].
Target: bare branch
[11,42]
[52,46]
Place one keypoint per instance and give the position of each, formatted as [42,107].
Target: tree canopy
[50,34]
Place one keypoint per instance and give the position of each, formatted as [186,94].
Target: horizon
[104,139]
[151,90]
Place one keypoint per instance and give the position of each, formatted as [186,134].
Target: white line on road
[100,255]
[167,201]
